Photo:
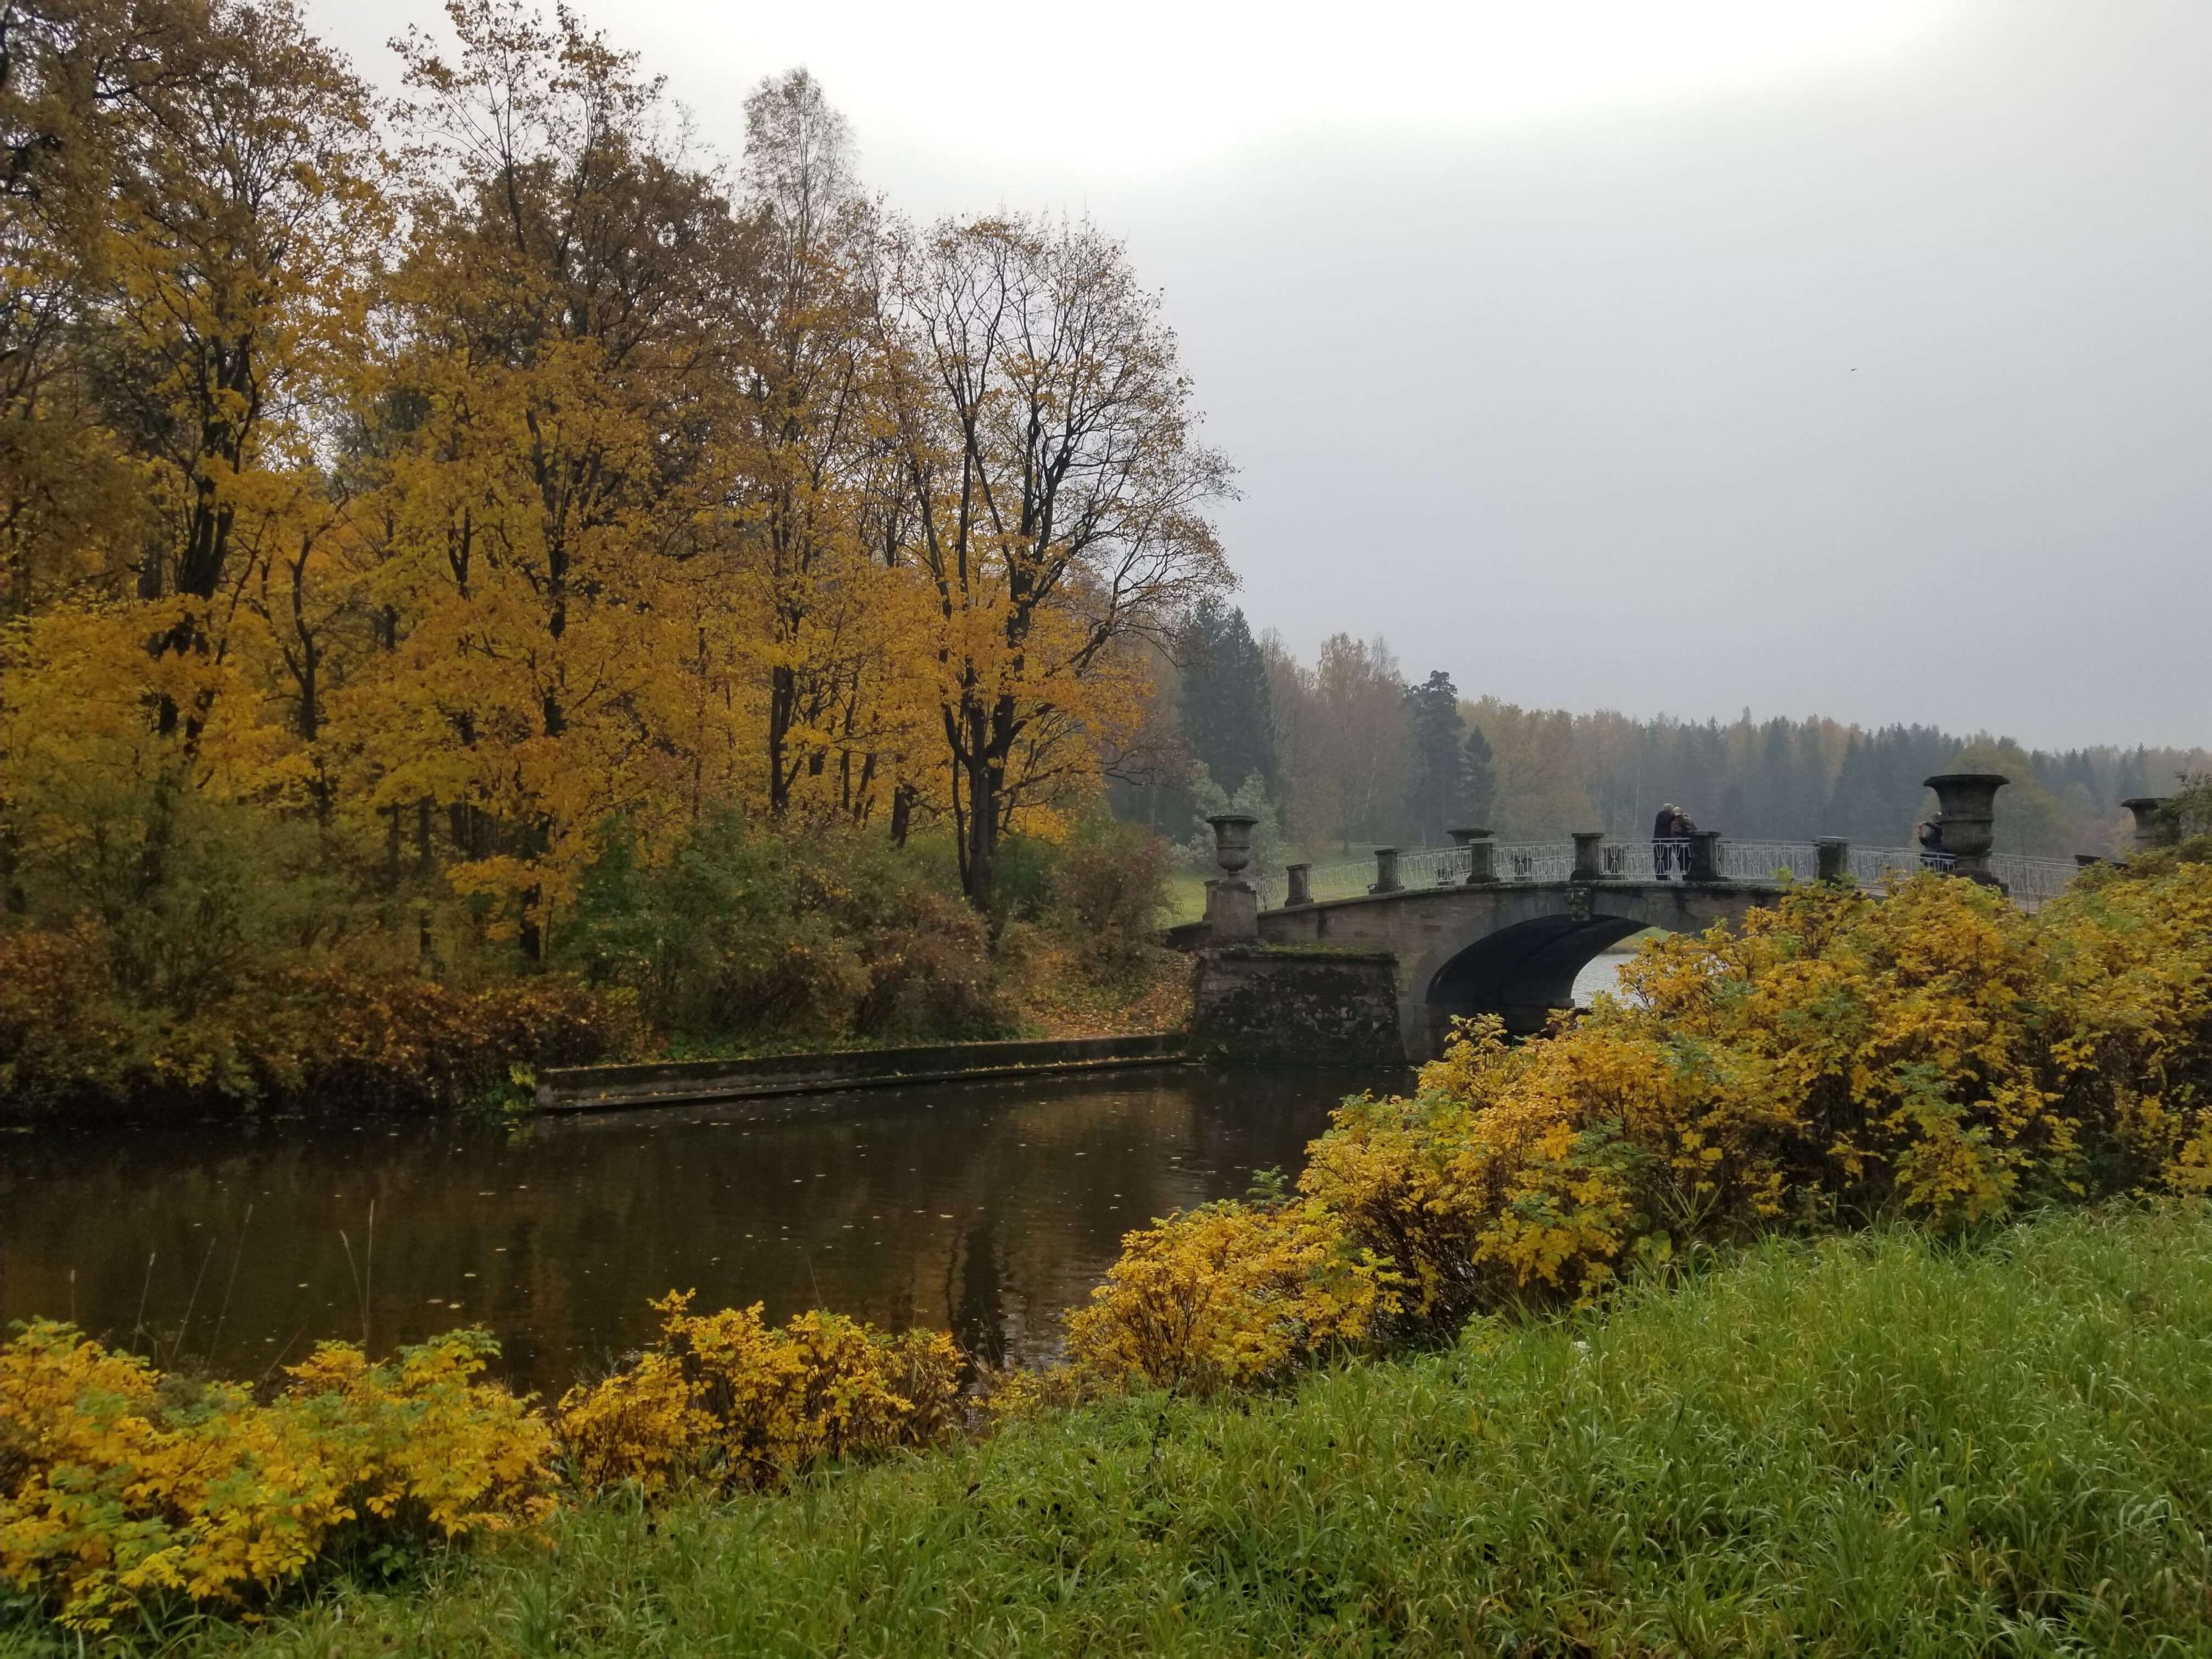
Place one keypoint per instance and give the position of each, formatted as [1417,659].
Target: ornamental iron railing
[2029,881]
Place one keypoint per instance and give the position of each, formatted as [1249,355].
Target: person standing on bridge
[1684,829]
[1928,832]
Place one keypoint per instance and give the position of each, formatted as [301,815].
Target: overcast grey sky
[1670,357]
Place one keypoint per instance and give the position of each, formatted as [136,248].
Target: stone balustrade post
[1232,907]
[2151,827]
[1589,855]
[1386,871]
[1301,880]
[1705,855]
[1832,857]
[1966,820]
[1482,855]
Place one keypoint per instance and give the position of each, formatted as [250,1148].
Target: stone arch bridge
[1336,968]
[1511,949]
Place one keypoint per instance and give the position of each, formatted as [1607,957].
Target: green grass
[1186,898]
[1874,1445]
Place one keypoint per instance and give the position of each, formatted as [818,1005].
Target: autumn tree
[560,355]
[68,503]
[1058,493]
[1352,745]
[810,475]
[192,197]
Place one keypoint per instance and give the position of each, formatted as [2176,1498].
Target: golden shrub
[725,1396]
[1228,1293]
[118,1486]
[1936,1056]
[1532,1188]
[2132,1050]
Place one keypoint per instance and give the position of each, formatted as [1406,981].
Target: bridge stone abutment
[1509,950]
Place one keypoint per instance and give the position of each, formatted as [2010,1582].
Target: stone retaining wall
[1296,1006]
[586,1088]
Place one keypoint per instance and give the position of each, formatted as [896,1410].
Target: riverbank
[1879,1444]
[330,1042]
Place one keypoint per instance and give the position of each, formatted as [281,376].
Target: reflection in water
[987,1210]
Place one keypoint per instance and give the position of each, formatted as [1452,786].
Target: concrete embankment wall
[593,1088]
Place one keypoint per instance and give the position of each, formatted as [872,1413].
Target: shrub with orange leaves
[122,1488]
[726,1397]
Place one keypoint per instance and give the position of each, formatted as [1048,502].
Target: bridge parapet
[1486,927]
[1765,863]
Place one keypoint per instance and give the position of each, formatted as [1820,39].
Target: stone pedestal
[2151,827]
[1966,820]
[1300,877]
[2087,860]
[1232,910]
[1832,858]
[1705,855]
[1386,871]
[1589,855]
[1482,855]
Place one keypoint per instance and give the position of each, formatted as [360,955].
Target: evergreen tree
[1226,715]
[1435,784]
[1482,781]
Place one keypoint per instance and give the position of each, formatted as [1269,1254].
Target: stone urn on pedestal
[2152,829]
[1966,820]
[1232,907]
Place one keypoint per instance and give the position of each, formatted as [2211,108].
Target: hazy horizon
[1853,364]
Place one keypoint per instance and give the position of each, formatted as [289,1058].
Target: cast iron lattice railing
[2028,880]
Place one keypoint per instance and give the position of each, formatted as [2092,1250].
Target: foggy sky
[1877,384]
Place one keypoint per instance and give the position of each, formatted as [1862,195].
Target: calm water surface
[985,1209]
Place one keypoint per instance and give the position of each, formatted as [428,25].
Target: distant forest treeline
[1348,750]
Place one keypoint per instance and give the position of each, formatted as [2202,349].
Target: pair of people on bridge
[1670,842]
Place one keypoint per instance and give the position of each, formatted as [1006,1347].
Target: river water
[985,1209]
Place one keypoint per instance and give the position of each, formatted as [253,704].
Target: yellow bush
[1532,1188]
[2133,1052]
[119,1487]
[1226,1294]
[1935,1054]
[726,1396]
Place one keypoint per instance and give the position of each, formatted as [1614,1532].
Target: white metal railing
[1665,858]
[2028,879]
[1765,860]
[2033,879]
[1879,866]
[1430,867]
[1536,861]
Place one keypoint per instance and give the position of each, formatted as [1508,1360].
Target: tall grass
[1869,1445]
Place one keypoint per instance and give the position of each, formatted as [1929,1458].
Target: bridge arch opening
[1524,973]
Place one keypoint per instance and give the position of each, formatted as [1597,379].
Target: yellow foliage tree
[1055,490]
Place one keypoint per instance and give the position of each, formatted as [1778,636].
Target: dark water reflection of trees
[987,1210]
